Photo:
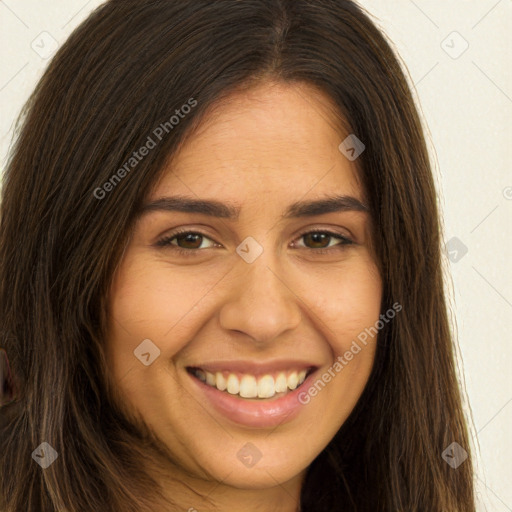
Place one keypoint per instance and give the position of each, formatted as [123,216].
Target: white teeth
[293,380]
[251,387]
[221,381]
[210,379]
[233,384]
[248,387]
[266,387]
[281,383]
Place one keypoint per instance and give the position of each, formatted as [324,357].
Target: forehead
[272,142]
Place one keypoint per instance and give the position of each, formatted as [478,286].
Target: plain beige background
[458,56]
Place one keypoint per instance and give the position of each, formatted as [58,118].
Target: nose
[261,303]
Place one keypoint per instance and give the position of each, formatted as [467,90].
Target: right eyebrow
[211,208]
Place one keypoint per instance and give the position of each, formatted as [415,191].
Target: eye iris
[192,238]
[317,239]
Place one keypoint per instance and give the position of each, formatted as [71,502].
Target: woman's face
[252,298]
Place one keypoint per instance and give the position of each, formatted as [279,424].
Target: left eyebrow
[214,208]
[322,206]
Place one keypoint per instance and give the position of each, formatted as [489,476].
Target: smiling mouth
[270,385]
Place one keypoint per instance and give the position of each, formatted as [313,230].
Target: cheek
[349,303]
[151,298]
[350,309]
[144,304]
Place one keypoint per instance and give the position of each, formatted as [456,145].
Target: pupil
[318,238]
[191,238]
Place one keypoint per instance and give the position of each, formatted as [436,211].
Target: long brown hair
[124,72]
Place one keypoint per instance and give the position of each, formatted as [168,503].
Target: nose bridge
[260,303]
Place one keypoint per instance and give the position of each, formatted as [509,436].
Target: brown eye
[322,240]
[317,240]
[189,240]
[185,241]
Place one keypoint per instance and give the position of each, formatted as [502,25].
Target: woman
[220,271]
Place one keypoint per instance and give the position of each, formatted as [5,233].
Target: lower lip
[250,413]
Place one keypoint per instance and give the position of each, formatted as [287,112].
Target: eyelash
[166,242]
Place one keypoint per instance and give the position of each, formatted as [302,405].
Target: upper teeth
[248,386]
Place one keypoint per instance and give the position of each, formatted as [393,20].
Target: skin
[279,143]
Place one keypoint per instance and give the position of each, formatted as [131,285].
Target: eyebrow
[214,208]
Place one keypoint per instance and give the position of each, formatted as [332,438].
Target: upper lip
[254,367]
